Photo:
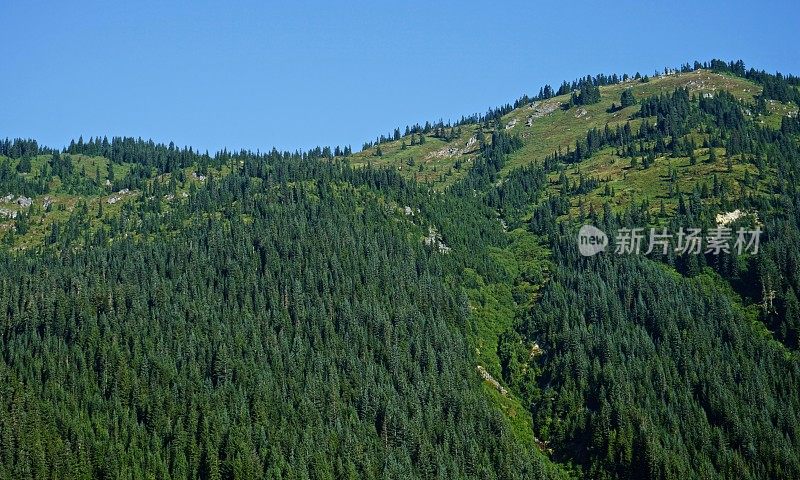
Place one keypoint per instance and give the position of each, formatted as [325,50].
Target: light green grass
[495,308]
[560,129]
[557,130]
[633,185]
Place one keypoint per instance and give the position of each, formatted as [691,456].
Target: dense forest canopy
[169,313]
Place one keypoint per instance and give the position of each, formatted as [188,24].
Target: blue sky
[255,75]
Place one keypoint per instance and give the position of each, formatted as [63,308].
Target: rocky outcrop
[490,379]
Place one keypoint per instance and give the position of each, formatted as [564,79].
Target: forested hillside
[418,309]
[283,324]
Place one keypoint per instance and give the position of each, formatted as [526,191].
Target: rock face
[724,219]
[489,378]
[435,240]
[116,198]
[449,151]
[540,109]
[22,200]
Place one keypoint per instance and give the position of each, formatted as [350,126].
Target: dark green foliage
[20,148]
[652,375]
[627,99]
[587,94]
[21,224]
[24,165]
[165,158]
[11,181]
[286,321]
[673,112]
[311,340]
[775,86]
[649,376]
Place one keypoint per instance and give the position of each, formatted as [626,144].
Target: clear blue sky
[254,76]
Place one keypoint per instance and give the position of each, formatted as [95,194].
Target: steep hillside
[591,362]
[418,309]
[544,127]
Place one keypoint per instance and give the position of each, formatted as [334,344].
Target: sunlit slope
[547,126]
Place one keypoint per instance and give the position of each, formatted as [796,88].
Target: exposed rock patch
[540,109]
[724,219]
[489,378]
[435,240]
[449,151]
[118,196]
